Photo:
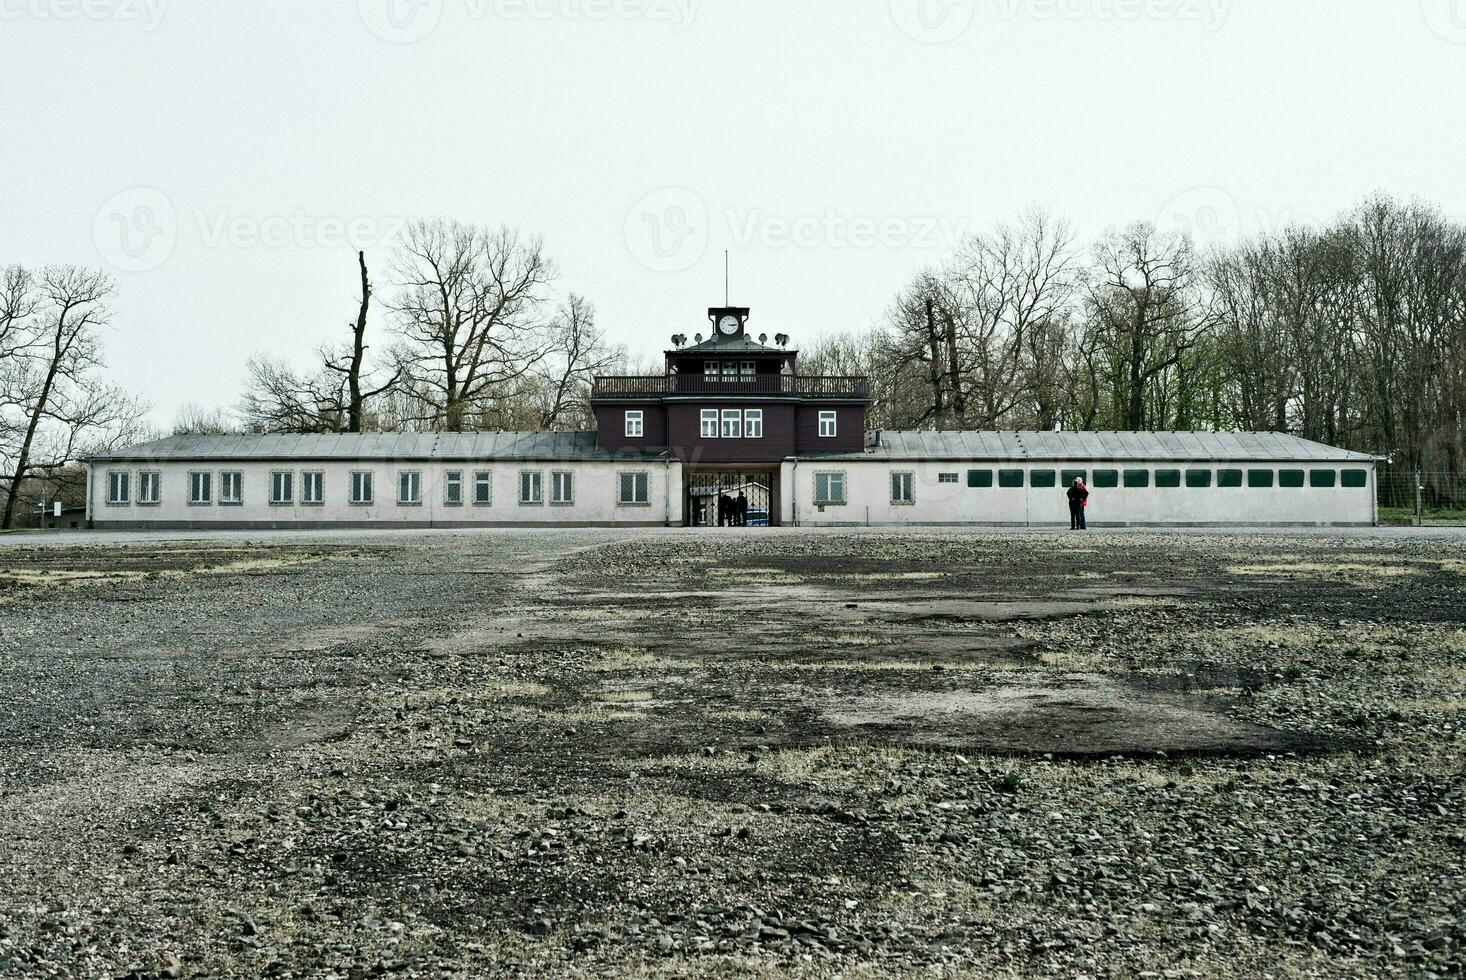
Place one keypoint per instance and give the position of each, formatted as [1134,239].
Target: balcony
[732,386]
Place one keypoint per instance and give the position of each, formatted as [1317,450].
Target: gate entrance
[713,499]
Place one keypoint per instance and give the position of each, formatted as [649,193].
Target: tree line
[1352,334]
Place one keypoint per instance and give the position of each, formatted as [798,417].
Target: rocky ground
[733,753]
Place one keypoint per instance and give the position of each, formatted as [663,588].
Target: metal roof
[739,344]
[375,445]
[1059,446]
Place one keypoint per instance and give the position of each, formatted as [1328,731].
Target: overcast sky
[224,159]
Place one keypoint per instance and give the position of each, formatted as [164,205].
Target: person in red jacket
[1078,495]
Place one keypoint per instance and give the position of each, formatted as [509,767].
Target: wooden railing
[657,385]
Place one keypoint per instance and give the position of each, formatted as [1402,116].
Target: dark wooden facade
[731,371]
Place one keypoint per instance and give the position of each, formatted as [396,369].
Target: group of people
[1078,495]
[732,511]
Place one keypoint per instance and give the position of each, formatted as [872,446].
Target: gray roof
[1059,446]
[374,445]
[738,344]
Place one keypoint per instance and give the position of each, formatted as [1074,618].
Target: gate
[704,490]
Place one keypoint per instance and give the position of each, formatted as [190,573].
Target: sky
[224,159]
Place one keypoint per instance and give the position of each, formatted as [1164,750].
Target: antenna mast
[725,277]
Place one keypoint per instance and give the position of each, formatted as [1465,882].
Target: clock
[728,326]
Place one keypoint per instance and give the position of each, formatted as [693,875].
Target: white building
[917,478]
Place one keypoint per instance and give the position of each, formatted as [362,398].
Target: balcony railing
[659,385]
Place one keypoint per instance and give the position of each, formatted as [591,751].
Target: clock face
[728,326]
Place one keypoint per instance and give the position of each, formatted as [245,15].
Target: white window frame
[747,369]
[119,488]
[453,488]
[903,480]
[753,423]
[732,425]
[949,478]
[307,478]
[830,477]
[363,487]
[276,499]
[484,479]
[149,488]
[231,480]
[708,426]
[828,432]
[562,488]
[196,480]
[640,484]
[635,423]
[533,481]
[409,488]
[712,370]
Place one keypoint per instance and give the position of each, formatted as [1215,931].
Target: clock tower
[728,321]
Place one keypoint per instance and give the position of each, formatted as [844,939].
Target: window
[483,488]
[710,423]
[1106,479]
[200,488]
[1291,479]
[453,488]
[1168,479]
[1229,478]
[531,487]
[947,477]
[149,487]
[361,487]
[730,370]
[635,490]
[979,478]
[409,487]
[118,488]
[1198,478]
[634,423]
[753,423]
[1137,478]
[1355,478]
[902,489]
[313,488]
[1259,478]
[1010,478]
[282,487]
[1322,478]
[1067,477]
[712,370]
[829,488]
[827,425]
[747,370]
[1040,478]
[562,487]
[231,487]
[732,423]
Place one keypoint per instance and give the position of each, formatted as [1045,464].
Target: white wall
[596,490]
[868,497]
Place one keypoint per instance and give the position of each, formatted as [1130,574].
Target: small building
[731,432]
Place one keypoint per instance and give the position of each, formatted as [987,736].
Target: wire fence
[1426,497]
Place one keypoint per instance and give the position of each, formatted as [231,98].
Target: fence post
[1419,514]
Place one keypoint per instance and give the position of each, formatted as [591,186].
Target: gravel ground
[733,753]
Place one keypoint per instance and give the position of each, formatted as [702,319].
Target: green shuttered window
[1041,478]
[1259,478]
[1105,479]
[1010,478]
[1168,479]
[1198,478]
[1069,476]
[1137,478]
[1355,478]
[1229,478]
[1290,478]
[980,478]
[1322,478]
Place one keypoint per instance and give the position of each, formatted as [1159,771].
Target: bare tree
[55,404]
[469,312]
[349,363]
[580,352]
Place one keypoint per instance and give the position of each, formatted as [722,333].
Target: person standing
[1078,495]
[742,505]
